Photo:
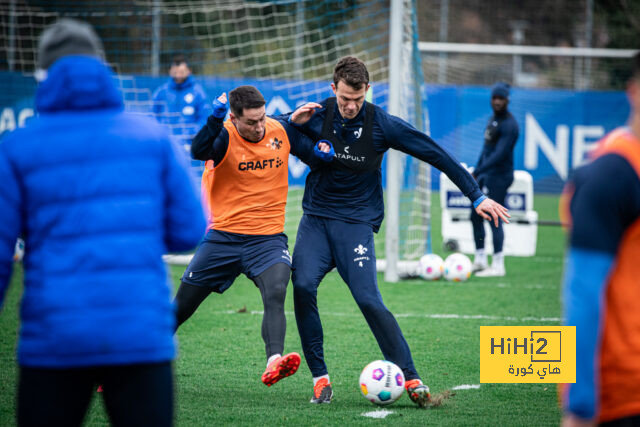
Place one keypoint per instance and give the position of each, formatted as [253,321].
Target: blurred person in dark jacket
[494,173]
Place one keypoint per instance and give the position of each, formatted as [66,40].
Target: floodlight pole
[394,164]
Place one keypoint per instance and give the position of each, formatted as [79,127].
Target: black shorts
[222,256]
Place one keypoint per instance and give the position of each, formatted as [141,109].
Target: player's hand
[493,211]
[220,106]
[324,150]
[304,113]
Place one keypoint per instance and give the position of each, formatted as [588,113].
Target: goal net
[285,48]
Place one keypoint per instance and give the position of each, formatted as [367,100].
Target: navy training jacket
[500,137]
[358,197]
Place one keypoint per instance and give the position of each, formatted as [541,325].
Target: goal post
[408,216]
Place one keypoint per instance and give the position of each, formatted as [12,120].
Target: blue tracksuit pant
[321,245]
[495,187]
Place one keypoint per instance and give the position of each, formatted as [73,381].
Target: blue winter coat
[183,107]
[99,196]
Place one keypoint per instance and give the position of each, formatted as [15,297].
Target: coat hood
[77,82]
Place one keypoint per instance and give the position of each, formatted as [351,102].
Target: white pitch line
[380,413]
[429,316]
[466,387]
[383,413]
[509,285]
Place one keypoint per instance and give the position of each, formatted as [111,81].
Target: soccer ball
[382,382]
[430,267]
[457,267]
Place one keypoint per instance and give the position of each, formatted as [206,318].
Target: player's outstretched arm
[302,143]
[304,113]
[493,211]
[207,143]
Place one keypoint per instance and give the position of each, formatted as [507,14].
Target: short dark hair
[245,97]
[179,59]
[352,71]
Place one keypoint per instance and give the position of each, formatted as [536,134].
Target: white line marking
[380,413]
[429,316]
[509,285]
[466,387]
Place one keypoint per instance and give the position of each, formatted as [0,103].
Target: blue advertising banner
[558,128]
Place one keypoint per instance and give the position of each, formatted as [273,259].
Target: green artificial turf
[222,354]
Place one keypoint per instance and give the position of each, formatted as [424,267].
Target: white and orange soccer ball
[457,267]
[430,267]
[382,382]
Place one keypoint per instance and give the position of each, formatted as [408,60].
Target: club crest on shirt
[274,144]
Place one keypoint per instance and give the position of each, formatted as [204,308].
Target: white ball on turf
[382,382]
[430,267]
[457,267]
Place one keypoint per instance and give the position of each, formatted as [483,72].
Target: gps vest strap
[359,156]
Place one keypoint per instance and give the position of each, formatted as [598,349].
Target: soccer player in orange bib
[601,285]
[245,184]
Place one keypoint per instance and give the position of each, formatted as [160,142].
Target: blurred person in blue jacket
[99,196]
[494,173]
[181,103]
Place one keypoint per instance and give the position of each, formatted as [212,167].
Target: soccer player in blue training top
[494,173]
[343,207]
[245,183]
[602,277]
[181,103]
[100,195]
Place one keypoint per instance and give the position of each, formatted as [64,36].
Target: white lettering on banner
[585,139]
[277,105]
[8,118]
[25,113]
[535,137]
[581,147]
